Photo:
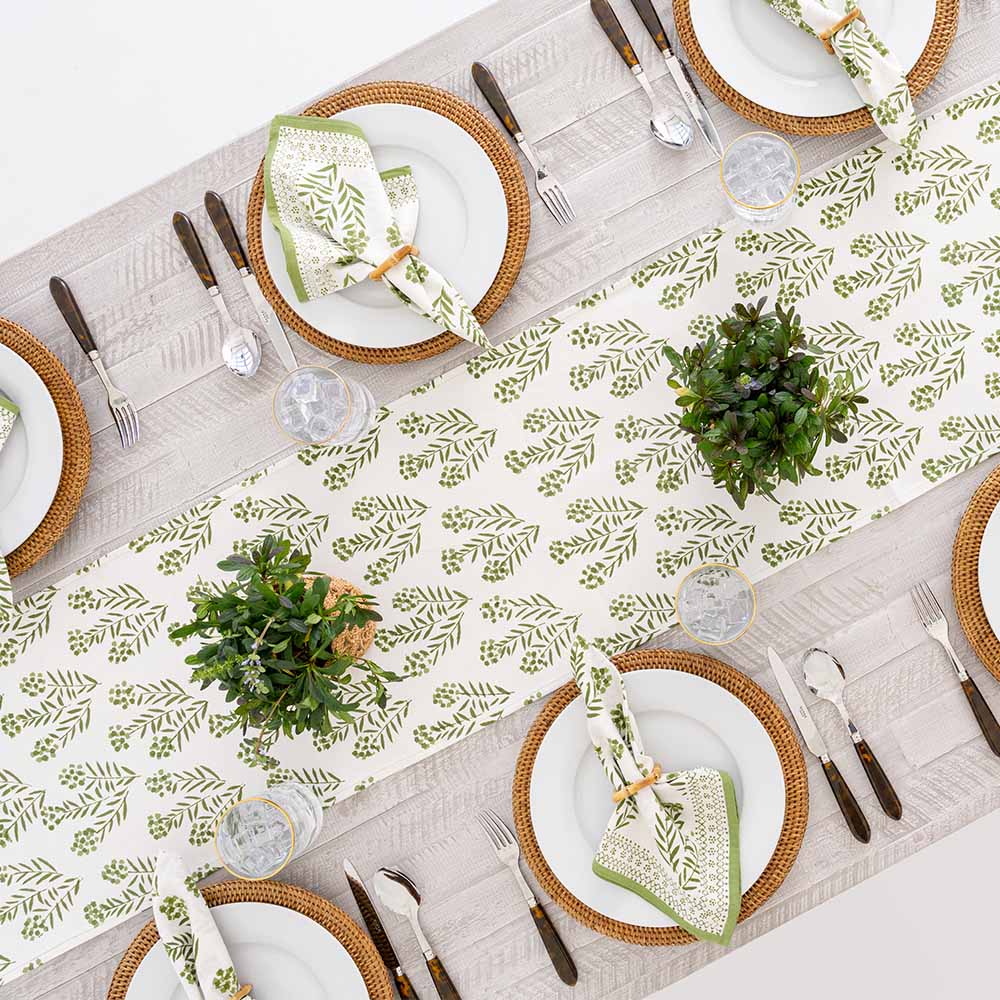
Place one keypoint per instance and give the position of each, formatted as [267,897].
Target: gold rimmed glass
[317,405]
[760,174]
[716,604]
[258,836]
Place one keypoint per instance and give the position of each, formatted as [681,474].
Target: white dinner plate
[283,953]
[31,460]
[461,229]
[773,63]
[686,722]
[989,571]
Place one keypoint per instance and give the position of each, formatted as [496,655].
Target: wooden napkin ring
[637,786]
[826,37]
[391,261]
[243,991]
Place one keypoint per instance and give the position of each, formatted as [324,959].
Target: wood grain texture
[160,336]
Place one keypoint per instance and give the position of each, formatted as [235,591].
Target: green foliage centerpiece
[756,401]
[278,642]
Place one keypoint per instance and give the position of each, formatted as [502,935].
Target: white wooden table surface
[203,429]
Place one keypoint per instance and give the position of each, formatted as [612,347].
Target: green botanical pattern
[195,798]
[846,350]
[976,438]
[58,707]
[537,631]
[608,537]
[169,715]
[186,534]
[500,540]
[820,521]
[40,896]
[982,260]
[284,515]
[880,443]
[794,265]
[452,443]
[134,879]
[707,534]
[938,360]
[100,800]
[27,624]
[393,532]
[844,188]
[627,359]
[949,180]
[693,266]
[470,706]
[566,446]
[522,359]
[434,625]
[895,266]
[128,622]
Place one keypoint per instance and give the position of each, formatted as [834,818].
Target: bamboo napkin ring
[637,786]
[408,249]
[826,37]
[243,991]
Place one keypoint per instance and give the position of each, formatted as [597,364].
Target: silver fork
[509,852]
[124,413]
[548,188]
[935,624]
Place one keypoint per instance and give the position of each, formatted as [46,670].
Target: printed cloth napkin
[339,219]
[189,935]
[878,77]
[676,842]
[8,416]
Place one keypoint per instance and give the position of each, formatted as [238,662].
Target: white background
[101,99]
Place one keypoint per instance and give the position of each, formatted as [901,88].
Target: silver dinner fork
[509,852]
[548,188]
[122,409]
[936,625]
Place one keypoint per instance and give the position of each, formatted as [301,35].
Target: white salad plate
[686,722]
[31,460]
[989,571]
[776,64]
[283,953]
[461,228]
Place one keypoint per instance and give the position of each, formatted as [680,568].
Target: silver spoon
[825,677]
[399,894]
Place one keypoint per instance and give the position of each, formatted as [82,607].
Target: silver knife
[680,75]
[374,924]
[219,215]
[849,808]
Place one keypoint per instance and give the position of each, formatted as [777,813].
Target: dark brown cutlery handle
[554,946]
[71,313]
[856,821]
[608,20]
[223,223]
[881,785]
[445,987]
[487,83]
[404,987]
[983,713]
[195,251]
[646,10]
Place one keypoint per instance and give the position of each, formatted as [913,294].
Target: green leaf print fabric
[538,492]
[675,843]
[189,934]
[339,219]
[876,73]
[8,417]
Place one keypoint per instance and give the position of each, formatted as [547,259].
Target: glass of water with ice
[716,604]
[257,836]
[316,405]
[760,175]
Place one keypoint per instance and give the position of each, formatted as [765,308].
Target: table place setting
[516,530]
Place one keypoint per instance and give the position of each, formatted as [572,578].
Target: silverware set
[397,892]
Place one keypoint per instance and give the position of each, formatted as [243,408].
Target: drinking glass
[716,604]
[760,175]
[316,405]
[257,836]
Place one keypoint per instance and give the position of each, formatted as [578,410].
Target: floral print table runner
[539,492]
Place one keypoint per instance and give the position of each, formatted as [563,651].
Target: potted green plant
[283,644]
[755,400]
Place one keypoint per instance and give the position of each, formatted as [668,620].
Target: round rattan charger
[358,945]
[965,573]
[793,768]
[924,70]
[76,446]
[511,179]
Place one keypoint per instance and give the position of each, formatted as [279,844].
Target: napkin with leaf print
[675,843]
[878,77]
[339,219]
[189,935]
[8,417]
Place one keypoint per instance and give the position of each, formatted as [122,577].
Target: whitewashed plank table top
[159,335]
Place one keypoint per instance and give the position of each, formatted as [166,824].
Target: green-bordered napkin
[8,415]
[189,935]
[339,219]
[676,842]
[877,75]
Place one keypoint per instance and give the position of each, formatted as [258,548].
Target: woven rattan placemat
[359,946]
[925,69]
[514,188]
[792,765]
[76,446]
[965,573]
